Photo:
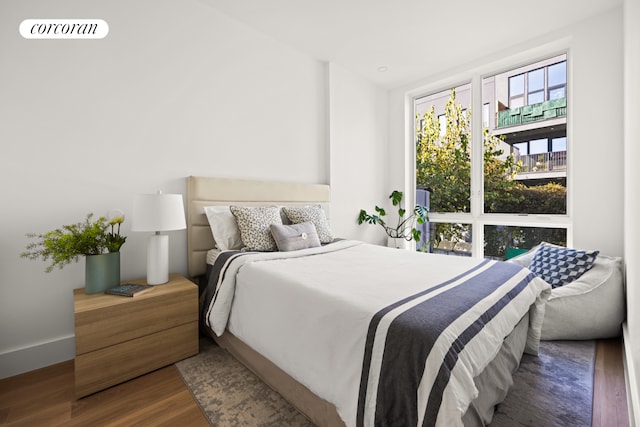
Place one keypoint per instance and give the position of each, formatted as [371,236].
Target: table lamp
[158,212]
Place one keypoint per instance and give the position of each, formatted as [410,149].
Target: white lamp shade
[158,212]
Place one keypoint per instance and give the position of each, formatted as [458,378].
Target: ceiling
[394,42]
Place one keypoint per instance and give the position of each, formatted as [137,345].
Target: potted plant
[404,230]
[99,241]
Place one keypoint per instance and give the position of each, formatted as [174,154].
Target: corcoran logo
[64,28]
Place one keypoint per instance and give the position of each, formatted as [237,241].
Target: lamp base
[158,259]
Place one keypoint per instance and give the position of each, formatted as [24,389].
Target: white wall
[632,200]
[175,89]
[357,123]
[597,134]
[595,121]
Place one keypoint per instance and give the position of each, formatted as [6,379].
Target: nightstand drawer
[103,368]
[104,320]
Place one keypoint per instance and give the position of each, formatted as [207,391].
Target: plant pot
[398,243]
[101,272]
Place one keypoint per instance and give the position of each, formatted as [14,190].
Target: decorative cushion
[223,227]
[296,236]
[314,214]
[559,266]
[254,225]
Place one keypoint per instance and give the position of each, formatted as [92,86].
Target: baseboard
[37,356]
[633,392]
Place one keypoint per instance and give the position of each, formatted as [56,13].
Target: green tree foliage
[550,198]
[443,162]
[443,165]
[500,185]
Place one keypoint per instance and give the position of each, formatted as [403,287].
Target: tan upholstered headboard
[209,191]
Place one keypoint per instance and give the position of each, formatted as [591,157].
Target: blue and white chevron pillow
[559,266]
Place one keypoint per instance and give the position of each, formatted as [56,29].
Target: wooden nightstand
[119,338]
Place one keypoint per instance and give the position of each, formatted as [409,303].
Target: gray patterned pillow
[296,236]
[314,214]
[254,225]
[559,266]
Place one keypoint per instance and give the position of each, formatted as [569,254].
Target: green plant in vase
[405,228]
[99,241]
[68,243]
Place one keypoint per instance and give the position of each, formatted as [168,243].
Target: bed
[356,334]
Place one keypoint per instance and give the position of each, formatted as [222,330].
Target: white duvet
[309,311]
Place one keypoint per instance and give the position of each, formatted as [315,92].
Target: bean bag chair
[592,306]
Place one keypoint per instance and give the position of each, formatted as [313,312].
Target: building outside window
[534,123]
[538,85]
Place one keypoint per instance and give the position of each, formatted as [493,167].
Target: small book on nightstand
[129,290]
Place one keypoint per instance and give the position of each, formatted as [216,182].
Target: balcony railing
[543,162]
[532,113]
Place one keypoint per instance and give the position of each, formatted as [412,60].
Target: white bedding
[312,322]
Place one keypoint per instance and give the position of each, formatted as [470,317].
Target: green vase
[101,272]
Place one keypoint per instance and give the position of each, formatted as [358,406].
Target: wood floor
[45,397]
[609,390]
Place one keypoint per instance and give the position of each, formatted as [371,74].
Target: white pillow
[224,228]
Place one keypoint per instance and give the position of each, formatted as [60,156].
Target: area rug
[231,395]
[554,389]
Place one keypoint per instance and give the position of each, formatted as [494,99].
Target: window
[448,238]
[444,161]
[557,80]
[522,148]
[535,90]
[516,91]
[538,146]
[443,166]
[442,120]
[500,240]
[532,84]
[518,164]
[559,144]
[485,115]
[526,163]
